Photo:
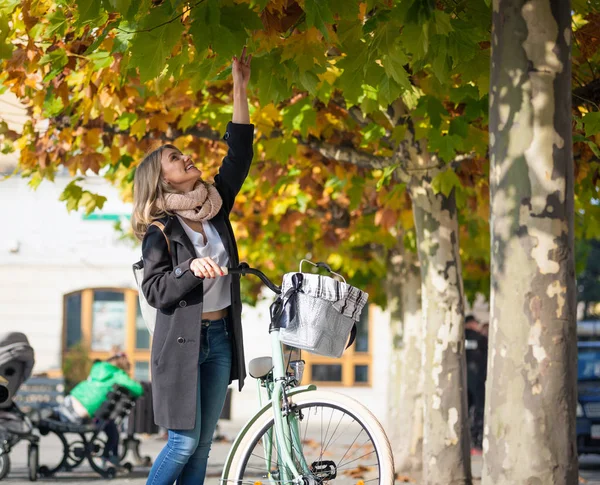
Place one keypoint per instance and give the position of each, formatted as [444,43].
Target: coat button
[226,136]
[178,271]
[180,340]
[182,303]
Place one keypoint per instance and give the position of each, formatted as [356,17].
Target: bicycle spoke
[341,465]
[344,443]
[354,441]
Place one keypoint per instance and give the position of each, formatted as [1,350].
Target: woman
[197,345]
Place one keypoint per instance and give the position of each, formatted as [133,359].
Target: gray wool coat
[170,286]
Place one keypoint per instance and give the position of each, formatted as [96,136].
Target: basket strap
[352,336]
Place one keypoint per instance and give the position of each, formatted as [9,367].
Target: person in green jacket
[87,397]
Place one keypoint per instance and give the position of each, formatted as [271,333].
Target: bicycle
[303,436]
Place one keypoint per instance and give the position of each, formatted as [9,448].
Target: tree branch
[348,154]
[328,150]
[590,93]
[150,29]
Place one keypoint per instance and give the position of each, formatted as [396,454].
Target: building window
[103,320]
[142,335]
[141,371]
[352,369]
[72,319]
[108,320]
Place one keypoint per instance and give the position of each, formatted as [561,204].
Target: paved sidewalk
[151,445]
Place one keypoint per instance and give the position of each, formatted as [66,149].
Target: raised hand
[240,70]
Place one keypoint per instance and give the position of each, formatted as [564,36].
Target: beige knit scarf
[201,204]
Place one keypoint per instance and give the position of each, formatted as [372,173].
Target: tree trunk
[446,440]
[531,399]
[406,371]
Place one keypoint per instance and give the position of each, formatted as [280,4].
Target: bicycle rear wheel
[342,443]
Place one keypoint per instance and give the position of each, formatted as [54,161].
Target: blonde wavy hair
[149,190]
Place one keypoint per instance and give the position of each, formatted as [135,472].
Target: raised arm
[239,136]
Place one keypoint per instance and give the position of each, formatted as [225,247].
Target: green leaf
[7,6]
[591,121]
[394,66]
[459,126]
[389,90]
[442,22]
[463,93]
[6,48]
[121,6]
[271,88]
[150,50]
[435,110]
[318,14]
[309,81]
[126,120]
[420,11]
[300,116]
[88,9]
[208,30]
[385,176]
[57,59]
[57,23]
[445,145]
[101,59]
[345,9]
[352,77]
[441,62]
[594,147]
[445,181]
[415,39]
[75,196]
[53,106]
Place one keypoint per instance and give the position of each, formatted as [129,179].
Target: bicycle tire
[308,400]
[4,465]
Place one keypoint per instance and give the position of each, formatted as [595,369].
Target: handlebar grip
[324,266]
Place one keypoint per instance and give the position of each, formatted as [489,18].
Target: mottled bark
[529,435]
[406,370]
[446,442]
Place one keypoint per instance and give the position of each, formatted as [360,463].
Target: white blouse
[217,291]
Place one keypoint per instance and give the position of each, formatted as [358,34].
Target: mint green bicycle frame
[287,436]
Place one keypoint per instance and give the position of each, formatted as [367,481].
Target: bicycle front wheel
[338,441]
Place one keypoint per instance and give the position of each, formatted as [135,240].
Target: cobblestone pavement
[151,446]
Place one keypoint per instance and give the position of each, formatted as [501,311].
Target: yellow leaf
[109,115]
[407,220]
[115,153]
[138,129]
[265,118]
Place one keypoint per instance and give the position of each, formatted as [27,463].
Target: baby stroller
[16,364]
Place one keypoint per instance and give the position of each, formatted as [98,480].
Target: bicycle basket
[318,313]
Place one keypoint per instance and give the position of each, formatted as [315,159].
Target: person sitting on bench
[87,397]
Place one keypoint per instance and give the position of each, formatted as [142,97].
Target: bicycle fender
[251,421]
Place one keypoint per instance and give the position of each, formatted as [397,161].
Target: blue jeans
[184,458]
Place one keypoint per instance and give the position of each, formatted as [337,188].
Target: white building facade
[66,278]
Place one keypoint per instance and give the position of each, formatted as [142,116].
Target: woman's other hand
[205,268]
[240,70]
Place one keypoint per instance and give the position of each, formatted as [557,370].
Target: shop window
[141,371]
[73,319]
[142,336]
[103,320]
[108,320]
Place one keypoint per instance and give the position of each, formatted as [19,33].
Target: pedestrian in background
[197,347]
[476,355]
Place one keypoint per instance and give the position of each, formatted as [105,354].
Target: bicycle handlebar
[244,269]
